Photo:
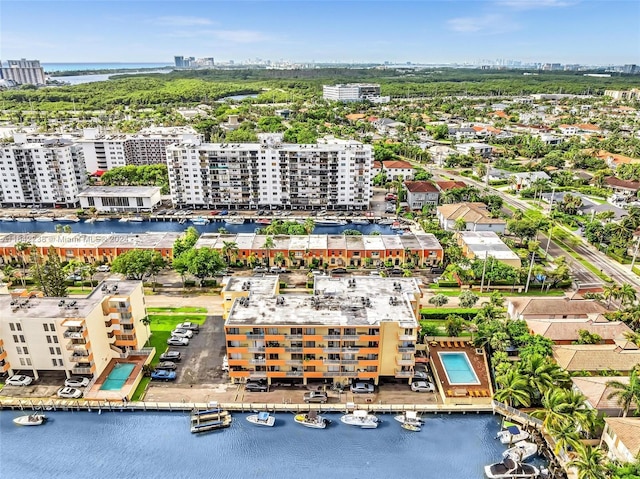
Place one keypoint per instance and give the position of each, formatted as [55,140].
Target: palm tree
[609,292]
[8,272]
[229,250]
[23,248]
[565,437]
[514,389]
[627,294]
[629,336]
[627,394]
[268,246]
[279,258]
[308,225]
[590,463]
[539,373]
[552,414]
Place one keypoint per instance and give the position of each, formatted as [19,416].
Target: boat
[123,220]
[263,418]
[385,222]
[102,219]
[43,219]
[396,226]
[24,220]
[136,219]
[360,221]
[7,218]
[510,469]
[312,419]
[330,222]
[69,219]
[360,418]
[410,427]
[35,419]
[210,420]
[90,220]
[200,221]
[409,417]
[234,220]
[521,451]
[263,221]
[512,434]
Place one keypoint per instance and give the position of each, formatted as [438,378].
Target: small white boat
[7,219]
[200,221]
[410,427]
[43,219]
[263,418]
[360,418]
[24,220]
[330,222]
[69,219]
[234,220]
[360,221]
[510,469]
[521,451]
[123,220]
[409,417]
[312,419]
[100,220]
[34,419]
[136,219]
[512,434]
[385,222]
[90,220]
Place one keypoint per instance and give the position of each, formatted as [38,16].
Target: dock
[210,420]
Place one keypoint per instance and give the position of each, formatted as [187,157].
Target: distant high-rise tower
[179,61]
[23,72]
[632,69]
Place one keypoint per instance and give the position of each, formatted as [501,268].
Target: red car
[215,213]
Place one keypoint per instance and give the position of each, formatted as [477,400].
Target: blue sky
[429,31]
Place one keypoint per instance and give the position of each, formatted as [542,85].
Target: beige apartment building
[350,329]
[74,336]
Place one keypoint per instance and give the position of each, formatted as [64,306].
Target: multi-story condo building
[23,72]
[354,92]
[49,173]
[73,336]
[332,174]
[349,329]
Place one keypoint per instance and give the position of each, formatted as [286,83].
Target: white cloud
[224,36]
[485,24]
[531,4]
[181,21]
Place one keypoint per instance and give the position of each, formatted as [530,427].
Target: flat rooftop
[120,191]
[336,302]
[255,285]
[487,242]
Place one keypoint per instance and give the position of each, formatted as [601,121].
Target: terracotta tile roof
[618,183]
[548,307]
[627,429]
[488,128]
[588,127]
[500,114]
[564,330]
[355,116]
[421,187]
[618,159]
[475,213]
[596,390]
[398,164]
[377,164]
[590,357]
[450,185]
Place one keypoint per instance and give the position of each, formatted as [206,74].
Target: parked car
[260,269]
[423,387]
[69,393]
[19,380]
[315,396]
[74,277]
[163,375]
[224,213]
[256,386]
[103,268]
[317,272]
[390,197]
[362,388]
[189,326]
[437,270]
[225,363]
[176,341]
[215,213]
[339,271]
[277,270]
[374,273]
[76,382]
[173,356]
[182,333]
[395,272]
[167,365]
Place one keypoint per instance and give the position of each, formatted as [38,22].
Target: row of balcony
[300,362]
[300,374]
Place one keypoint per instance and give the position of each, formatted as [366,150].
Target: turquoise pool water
[458,368]
[117,377]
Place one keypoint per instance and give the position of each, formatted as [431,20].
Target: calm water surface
[159,445]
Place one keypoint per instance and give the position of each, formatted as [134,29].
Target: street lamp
[636,237]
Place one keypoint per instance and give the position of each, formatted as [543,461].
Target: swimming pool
[117,377]
[458,368]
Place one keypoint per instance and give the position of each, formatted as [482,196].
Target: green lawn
[167,322]
[456,293]
[186,309]
[137,395]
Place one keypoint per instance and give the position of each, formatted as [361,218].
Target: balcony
[409,348]
[406,337]
[293,349]
[256,349]
[71,345]
[258,361]
[403,374]
[350,337]
[76,333]
[293,337]
[331,337]
[405,362]
[294,362]
[294,374]
[255,335]
[257,374]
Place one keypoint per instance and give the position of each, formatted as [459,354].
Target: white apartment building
[72,336]
[23,72]
[120,198]
[353,92]
[49,173]
[332,174]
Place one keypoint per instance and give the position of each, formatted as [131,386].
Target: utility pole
[533,259]
[484,270]
[635,251]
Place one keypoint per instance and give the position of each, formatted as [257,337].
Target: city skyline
[562,31]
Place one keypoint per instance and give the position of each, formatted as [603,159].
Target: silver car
[362,388]
[182,333]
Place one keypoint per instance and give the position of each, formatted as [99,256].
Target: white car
[69,393]
[182,333]
[19,380]
[190,326]
[362,388]
[225,363]
[104,268]
[176,341]
[76,382]
[423,387]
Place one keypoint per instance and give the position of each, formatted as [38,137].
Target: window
[25,350]
[45,326]
[12,327]
[19,350]
[49,339]
[58,351]
[22,363]
[28,362]
[52,351]
[15,338]
[22,338]
[55,339]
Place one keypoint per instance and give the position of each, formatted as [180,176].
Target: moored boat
[360,221]
[90,220]
[103,219]
[510,469]
[43,219]
[263,221]
[263,418]
[234,220]
[409,417]
[330,222]
[136,219]
[521,451]
[69,219]
[210,420]
[123,220]
[512,434]
[200,221]
[360,418]
[385,222]
[34,419]
[7,218]
[22,219]
[312,419]
[410,427]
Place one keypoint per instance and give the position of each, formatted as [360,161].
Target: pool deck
[129,387]
[454,392]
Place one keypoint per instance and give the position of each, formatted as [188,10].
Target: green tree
[626,394]
[591,463]
[268,245]
[49,275]
[135,264]
[185,242]
[438,300]
[454,325]
[24,249]
[468,299]
[513,389]
[230,250]
[204,263]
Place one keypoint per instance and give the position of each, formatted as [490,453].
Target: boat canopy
[263,416]
[514,430]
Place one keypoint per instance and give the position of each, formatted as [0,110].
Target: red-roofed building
[450,185]
[421,193]
[395,169]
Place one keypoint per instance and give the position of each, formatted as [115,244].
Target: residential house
[450,185]
[440,153]
[548,139]
[567,332]
[622,187]
[475,215]
[481,149]
[621,435]
[555,309]
[595,389]
[462,133]
[486,244]
[593,358]
[526,179]
[394,169]
[421,193]
[569,130]
[614,160]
